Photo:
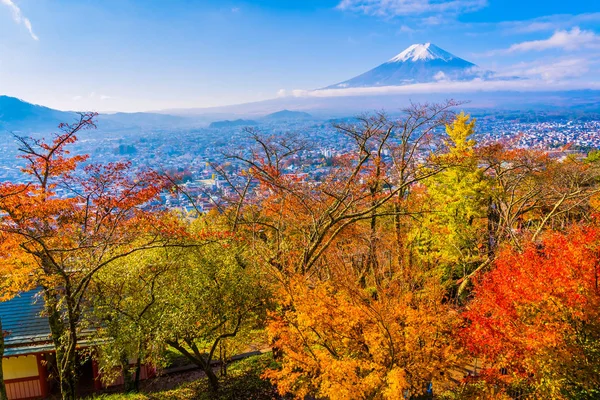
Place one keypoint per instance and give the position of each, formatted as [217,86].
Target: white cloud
[574,39]
[18,17]
[548,23]
[434,20]
[477,85]
[393,8]
[406,29]
[562,69]
[553,70]
[440,76]
[282,93]
[303,93]
[530,26]
[92,95]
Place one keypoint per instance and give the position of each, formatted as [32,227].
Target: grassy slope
[242,383]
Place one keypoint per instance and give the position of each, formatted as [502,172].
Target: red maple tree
[536,315]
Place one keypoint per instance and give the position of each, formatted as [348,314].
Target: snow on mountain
[425,51]
[419,63]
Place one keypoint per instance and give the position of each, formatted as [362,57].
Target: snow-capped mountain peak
[419,63]
[422,52]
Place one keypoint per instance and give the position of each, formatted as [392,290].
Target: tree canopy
[415,254]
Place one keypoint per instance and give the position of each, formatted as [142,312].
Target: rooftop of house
[27,330]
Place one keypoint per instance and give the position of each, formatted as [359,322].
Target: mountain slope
[18,115]
[232,124]
[285,115]
[419,63]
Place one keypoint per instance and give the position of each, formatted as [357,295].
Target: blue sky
[133,55]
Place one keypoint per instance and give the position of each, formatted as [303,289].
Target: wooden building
[29,352]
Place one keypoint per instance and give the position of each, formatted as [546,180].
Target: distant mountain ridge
[278,116]
[287,115]
[419,63]
[230,124]
[18,115]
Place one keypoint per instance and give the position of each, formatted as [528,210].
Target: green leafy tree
[124,301]
[196,299]
[452,232]
[216,297]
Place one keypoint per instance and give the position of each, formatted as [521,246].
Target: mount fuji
[419,63]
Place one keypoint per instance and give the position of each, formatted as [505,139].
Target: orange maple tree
[67,222]
[357,318]
[340,341]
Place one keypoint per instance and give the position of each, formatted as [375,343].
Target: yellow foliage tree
[452,234]
[342,342]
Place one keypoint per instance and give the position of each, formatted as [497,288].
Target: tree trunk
[493,218]
[138,370]
[3,395]
[212,378]
[127,378]
[398,232]
[372,264]
[65,342]
[205,365]
[223,359]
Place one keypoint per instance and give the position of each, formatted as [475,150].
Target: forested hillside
[418,255]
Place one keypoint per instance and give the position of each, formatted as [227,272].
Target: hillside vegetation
[417,253]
